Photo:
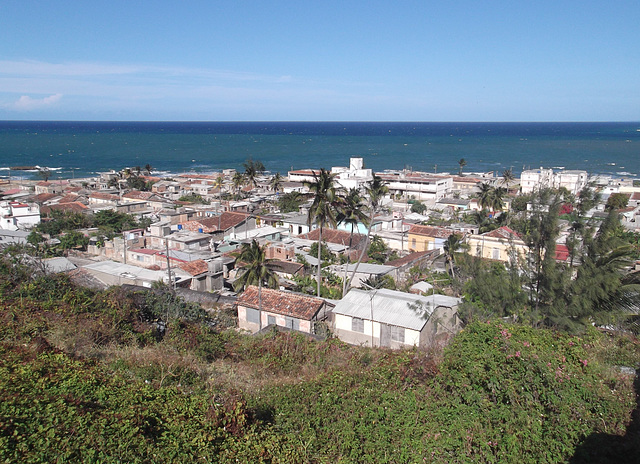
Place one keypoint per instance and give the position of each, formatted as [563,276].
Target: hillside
[97,377]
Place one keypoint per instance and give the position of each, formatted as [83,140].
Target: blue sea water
[79,149]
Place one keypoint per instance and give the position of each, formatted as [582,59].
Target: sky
[329,60]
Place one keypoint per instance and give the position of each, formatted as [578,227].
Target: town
[386,259]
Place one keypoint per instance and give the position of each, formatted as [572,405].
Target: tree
[462,163]
[602,286]
[252,169]
[540,237]
[290,202]
[418,207]
[73,239]
[255,269]
[375,190]
[617,201]
[44,173]
[491,198]
[326,199]
[451,246]
[238,181]
[148,168]
[351,213]
[276,182]
[484,196]
[507,177]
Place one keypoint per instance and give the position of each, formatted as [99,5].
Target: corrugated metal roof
[392,307]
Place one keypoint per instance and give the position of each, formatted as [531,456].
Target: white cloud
[26,103]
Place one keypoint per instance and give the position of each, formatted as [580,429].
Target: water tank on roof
[179,226]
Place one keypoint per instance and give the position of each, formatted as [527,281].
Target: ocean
[81,149]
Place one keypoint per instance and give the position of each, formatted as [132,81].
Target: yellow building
[499,245]
[425,238]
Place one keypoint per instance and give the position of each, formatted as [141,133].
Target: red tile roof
[195,268]
[74,206]
[104,196]
[411,258]
[70,198]
[340,237]
[285,303]
[287,267]
[562,253]
[42,197]
[430,231]
[502,232]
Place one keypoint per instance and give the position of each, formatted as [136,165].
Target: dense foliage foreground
[92,377]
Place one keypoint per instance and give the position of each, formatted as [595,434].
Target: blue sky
[331,60]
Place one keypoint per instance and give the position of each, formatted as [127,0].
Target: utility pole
[172,283]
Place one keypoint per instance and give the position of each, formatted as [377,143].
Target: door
[385,335]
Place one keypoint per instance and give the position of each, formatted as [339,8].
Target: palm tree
[484,196]
[497,198]
[326,197]
[137,170]
[375,189]
[251,171]
[507,177]
[238,181]
[276,182]
[351,212]
[148,168]
[462,163]
[451,246]
[255,269]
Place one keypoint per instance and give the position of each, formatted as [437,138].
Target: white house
[573,180]
[536,179]
[394,319]
[15,215]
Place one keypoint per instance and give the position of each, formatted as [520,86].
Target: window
[397,333]
[496,253]
[253,316]
[357,325]
[271,320]
[292,323]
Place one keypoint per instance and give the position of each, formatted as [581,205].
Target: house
[499,244]
[338,237]
[281,250]
[112,273]
[152,200]
[51,187]
[296,223]
[363,272]
[418,185]
[13,237]
[418,258]
[72,207]
[226,224]
[286,269]
[15,215]
[205,276]
[572,180]
[259,308]
[393,319]
[536,179]
[456,204]
[103,199]
[423,238]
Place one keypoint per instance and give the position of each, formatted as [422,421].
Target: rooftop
[285,303]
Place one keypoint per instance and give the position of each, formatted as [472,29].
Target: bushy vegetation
[142,376]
